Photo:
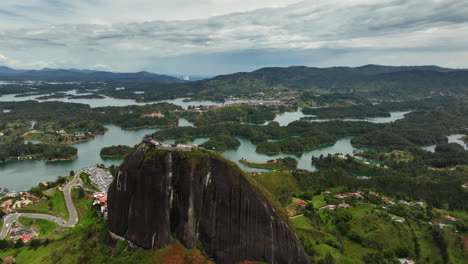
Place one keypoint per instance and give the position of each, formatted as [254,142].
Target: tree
[35,243]
[19,243]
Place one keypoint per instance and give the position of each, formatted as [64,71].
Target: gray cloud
[309,27]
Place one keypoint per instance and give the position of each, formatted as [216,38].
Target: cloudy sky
[223,36]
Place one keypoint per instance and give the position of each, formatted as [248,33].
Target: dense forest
[115,151]
[418,128]
[47,152]
[298,136]
[319,85]
[235,114]
[80,117]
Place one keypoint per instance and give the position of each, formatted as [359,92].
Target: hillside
[370,81]
[47,74]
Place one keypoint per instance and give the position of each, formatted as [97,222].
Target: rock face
[202,200]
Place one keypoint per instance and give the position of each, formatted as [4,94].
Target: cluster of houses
[24,200]
[100,202]
[301,204]
[18,231]
[331,207]
[349,195]
[205,108]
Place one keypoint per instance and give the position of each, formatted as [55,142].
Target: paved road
[73,215]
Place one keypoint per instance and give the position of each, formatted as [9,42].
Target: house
[355,194]
[329,207]
[398,219]
[341,196]
[450,218]
[420,204]
[405,202]
[302,203]
[102,200]
[25,238]
[9,260]
[326,192]
[32,197]
[406,261]
[99,195]
[7,206]
[387,201]
[344,205]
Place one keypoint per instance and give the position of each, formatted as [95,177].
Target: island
[115,151]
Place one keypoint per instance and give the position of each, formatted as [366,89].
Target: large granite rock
[202,200]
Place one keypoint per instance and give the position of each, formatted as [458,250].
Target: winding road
[72,213]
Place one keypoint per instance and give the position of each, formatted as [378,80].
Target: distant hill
[48,74]
[378,69]
[4,69]
[373,80]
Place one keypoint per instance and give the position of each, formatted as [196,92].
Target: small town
[28,206]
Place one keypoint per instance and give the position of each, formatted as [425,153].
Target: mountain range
[47,74]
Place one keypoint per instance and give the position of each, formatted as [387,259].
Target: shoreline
[112,156]
[140,127]
[61,159]
[260,165]
[298,152]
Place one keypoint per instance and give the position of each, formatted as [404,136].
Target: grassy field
[280,184]
[266,165]
[55,205]
[86,211]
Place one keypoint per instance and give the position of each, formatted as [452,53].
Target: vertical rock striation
[202,200]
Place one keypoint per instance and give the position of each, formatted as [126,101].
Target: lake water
[109,101]
[247,151]
[288,117]
[21,175]
[455,138]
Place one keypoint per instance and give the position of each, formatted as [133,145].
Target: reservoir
[21,175]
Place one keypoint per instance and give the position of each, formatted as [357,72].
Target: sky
[210,37]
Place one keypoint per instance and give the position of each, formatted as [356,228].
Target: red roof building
[32,197]
[302,203]
[26,238]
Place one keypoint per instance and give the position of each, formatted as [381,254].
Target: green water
[455,138]
[22,174]
[247,151]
